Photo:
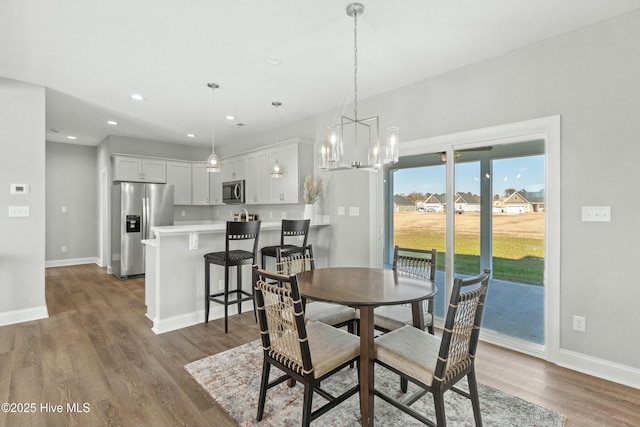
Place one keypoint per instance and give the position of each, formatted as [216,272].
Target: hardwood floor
[97,351]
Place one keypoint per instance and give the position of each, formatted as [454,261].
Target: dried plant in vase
[312,190]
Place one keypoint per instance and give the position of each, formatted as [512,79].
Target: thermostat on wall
[19,188]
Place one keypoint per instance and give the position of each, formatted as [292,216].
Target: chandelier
[213,162]
[359,132]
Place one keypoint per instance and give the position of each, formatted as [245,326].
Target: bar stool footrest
[214,297]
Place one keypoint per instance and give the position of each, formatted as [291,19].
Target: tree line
[416,196]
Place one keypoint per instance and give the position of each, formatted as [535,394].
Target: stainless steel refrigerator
[135,208]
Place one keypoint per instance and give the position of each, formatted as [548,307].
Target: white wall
[22,240]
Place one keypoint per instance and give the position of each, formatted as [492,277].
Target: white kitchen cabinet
[139,169]
[297,161]
[258,186]
[179,175]
[215,188]
[234,168]
[200,184]
[206,187]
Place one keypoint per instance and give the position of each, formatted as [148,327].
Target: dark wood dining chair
[437,364]
[291,231]
[338,315]
[307,352]
[230,257]
[415,262]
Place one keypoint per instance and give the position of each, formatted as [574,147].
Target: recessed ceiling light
[112,122]
[272,60]
[191,135]
[230,117]
[54,130]
[71,137]
[137,97]
[238,125]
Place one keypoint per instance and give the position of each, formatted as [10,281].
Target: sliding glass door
[498,223]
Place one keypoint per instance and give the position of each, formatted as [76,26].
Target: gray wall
[591,77]
[71,178]
[22,160]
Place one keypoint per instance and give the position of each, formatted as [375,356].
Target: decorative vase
[308,211]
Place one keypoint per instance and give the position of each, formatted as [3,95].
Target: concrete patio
[512,309]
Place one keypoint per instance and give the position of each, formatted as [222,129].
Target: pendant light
[213,162]
[359,131]
[277,171]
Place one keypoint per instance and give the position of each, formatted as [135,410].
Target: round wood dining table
[364,289]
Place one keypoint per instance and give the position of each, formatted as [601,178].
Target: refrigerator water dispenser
[133,224]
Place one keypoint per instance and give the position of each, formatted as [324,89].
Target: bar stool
[230,258]
[290,228]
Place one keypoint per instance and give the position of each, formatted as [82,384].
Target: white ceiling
[91,55]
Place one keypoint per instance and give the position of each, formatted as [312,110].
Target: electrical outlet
[579,323]
[183,213]
[63,249]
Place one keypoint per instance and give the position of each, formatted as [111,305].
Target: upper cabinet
[234,168]
[258,186]
[139,169]
[193,185]
[179,175]
[207,187]
[215,188]
[296,159]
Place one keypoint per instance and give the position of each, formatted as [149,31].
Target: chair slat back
[462,327]
[417,262]
[293,228]
[281,320]
[291,264]
[243,230]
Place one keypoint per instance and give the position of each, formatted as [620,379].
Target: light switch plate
[596,213]
[340,210]
[18,211]
[354,211]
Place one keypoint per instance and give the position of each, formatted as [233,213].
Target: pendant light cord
[355,82]
[355,66]
[213,87]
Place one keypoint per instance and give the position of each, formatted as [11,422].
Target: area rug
[232,378]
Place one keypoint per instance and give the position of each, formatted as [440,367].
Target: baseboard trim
[519,345]
[24,315]
[194,318]
[600,368]
[605,369]
[71,261]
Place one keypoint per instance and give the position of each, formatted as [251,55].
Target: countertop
[217,227]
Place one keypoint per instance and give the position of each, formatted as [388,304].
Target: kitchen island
[174,270]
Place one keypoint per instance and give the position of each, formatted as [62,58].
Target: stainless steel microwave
[233,192]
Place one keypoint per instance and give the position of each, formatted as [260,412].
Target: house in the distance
[520,202]
[402,204]
[467,202]
[433,203]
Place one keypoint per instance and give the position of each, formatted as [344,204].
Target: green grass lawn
[517,259]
